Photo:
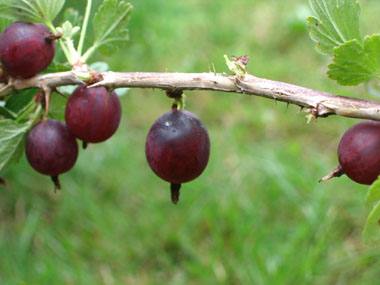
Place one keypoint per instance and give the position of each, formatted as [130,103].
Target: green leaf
[18,105]
[71,15]
[100,66]
[373,194]
[336,22]
[43,11]
[110,25]
[4,23]
[68,30]
[19,102]
[355,62]
[57,107]
[12,142]
[371,232]
[8,114]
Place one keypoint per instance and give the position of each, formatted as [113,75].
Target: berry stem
[52,37]
[179,99]
[337,172]
[174,191]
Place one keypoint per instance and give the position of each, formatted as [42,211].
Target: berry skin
[177,148]
[26,49]
[51,149]
[359,152]
[92,114]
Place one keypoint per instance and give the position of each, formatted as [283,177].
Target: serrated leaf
[371,232]
[336,22]
[373,194]
[12,142]
[43,11]
[71,15]
[110,25]
[355,62]
[68,30]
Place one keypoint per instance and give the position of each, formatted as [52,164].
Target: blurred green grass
[257,215]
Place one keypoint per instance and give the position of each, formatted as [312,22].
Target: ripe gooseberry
[92,114]
[359,152]
[51,149]
[177,148]
[26,48]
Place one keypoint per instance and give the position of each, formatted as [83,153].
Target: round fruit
[26,49]
[359,152]
[92,114]
[177,148]
[50,148]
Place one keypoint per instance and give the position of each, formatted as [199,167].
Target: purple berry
[26,49]
[359,152]
[51,149]
[177,148]
[92,114]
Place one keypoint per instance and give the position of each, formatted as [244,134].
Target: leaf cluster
[335,29]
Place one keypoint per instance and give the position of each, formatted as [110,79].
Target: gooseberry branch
[319,104]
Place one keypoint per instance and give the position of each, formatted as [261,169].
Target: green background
[257,215]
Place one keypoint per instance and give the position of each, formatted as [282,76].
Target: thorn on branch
[60,93]
[46,91]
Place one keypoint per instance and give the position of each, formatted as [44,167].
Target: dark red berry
[92,114]
[177,148]
[50,148]
[359,152]
[26,49]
